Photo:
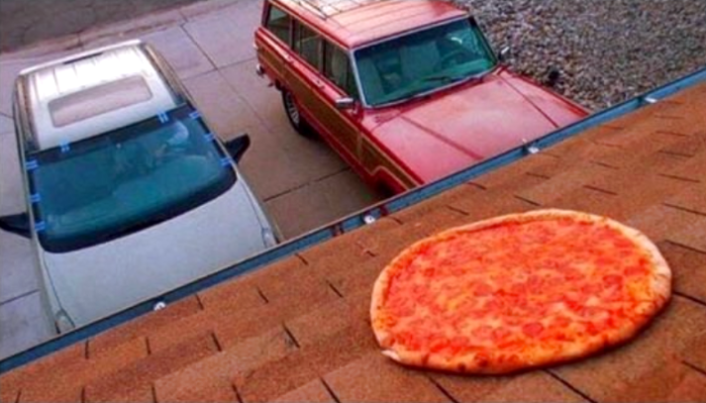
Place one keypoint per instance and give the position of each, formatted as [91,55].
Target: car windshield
[120,182]
[421,62]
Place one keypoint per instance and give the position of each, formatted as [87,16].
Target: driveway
[27,22]
[303,183]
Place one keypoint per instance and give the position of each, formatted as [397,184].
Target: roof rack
[329,8]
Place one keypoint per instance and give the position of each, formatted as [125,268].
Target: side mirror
[504,54]
[345,103]
[553,76]
[237,146]
[16,224]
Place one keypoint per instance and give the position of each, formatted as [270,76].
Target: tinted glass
[422,61]
[123,181]
[308,45]
[278,23]
[337,68]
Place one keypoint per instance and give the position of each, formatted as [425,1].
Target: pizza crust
[498,361]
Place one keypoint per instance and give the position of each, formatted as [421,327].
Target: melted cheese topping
[507,287]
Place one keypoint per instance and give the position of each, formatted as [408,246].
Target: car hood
[97,281]
[462,126]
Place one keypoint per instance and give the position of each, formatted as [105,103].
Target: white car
[129,193]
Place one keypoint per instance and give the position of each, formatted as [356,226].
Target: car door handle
[289,59]
[319,83]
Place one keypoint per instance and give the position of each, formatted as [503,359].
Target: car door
[319,75]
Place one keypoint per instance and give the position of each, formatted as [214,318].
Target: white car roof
[94,92]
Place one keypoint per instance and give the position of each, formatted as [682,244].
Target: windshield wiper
[474,77]
[413,93]
[448,78]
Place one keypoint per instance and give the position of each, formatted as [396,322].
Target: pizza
[517,292]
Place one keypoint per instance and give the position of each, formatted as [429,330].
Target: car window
[422,61]
[278,22]
[126,180]
[307,44]
[337,68]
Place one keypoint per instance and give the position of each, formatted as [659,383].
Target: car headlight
[268,237]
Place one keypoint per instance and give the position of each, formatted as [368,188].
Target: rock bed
[605,50]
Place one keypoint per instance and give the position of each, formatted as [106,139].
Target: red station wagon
[406,91]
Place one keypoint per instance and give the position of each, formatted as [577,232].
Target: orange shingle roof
[298,330]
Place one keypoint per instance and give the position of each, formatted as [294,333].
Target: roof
[93,92]
[298,329]
[357,22]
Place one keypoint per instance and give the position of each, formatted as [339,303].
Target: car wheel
[294,115]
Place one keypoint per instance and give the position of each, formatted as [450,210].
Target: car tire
[291,109]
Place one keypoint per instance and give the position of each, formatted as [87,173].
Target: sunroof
[98,100]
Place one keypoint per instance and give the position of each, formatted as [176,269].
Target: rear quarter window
[278,22]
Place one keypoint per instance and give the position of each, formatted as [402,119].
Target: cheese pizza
[518,291]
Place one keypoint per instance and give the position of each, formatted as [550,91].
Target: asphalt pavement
[25,22]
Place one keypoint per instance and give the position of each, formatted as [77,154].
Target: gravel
[606,51]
